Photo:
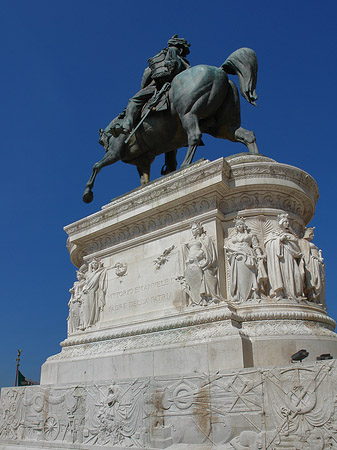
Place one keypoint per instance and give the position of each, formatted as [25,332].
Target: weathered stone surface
[290,407]
[192,295]
[180,282]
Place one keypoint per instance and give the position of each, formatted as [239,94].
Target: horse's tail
[243,63]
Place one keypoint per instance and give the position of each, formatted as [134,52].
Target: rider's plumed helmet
[175,41]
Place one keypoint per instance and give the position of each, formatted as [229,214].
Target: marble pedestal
[169,342]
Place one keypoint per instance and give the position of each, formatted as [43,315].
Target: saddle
[160,104]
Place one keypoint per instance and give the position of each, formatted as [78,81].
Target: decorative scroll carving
[163,258]
[200,280]
[290,407]
[11,414]
[247,271]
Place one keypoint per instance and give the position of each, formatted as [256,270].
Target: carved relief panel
[246,271]
[265,257]
[141,282]
[200,279]
[280,408]
[87,299]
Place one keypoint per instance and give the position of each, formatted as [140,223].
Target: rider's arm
[146,80]
[185,63]
[181,63]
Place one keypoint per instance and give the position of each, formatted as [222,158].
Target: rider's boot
[132,113]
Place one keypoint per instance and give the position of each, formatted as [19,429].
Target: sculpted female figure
[201,267]
[94,293]
[245,257]
[284,261]
[314,285]
[75,303]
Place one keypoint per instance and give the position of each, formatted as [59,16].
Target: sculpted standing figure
[162,68]
[247,271]
[75,303]
[201,267]
[94,293]
[314,287]
[284,261]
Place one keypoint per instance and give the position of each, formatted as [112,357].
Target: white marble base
[148,325]
[291,407]
[161,350]
[205,347]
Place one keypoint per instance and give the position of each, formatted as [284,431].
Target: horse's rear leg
[189,156]
[238,134]
[246,137]
[229,119]
[190,123]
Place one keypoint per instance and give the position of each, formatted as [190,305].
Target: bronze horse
[202,100]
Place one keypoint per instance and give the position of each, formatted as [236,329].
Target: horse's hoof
[165,170]
[88,196]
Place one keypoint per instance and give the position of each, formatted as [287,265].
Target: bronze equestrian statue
[176,104]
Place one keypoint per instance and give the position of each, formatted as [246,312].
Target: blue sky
[69,67]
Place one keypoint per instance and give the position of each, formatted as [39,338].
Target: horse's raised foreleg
[110,157]
[190,123]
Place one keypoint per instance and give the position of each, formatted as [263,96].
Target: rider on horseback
[163,67]
[203,100]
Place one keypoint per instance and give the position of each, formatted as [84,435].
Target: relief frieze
[290,407]
[169,217]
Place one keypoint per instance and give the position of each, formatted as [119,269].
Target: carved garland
[290,327]
[151,224]
[277,171]
[275,200]
[149,340]
[208,317]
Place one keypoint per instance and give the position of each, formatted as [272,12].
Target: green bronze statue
[175,105]
[161,70]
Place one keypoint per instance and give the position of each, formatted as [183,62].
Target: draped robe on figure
[285,267]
